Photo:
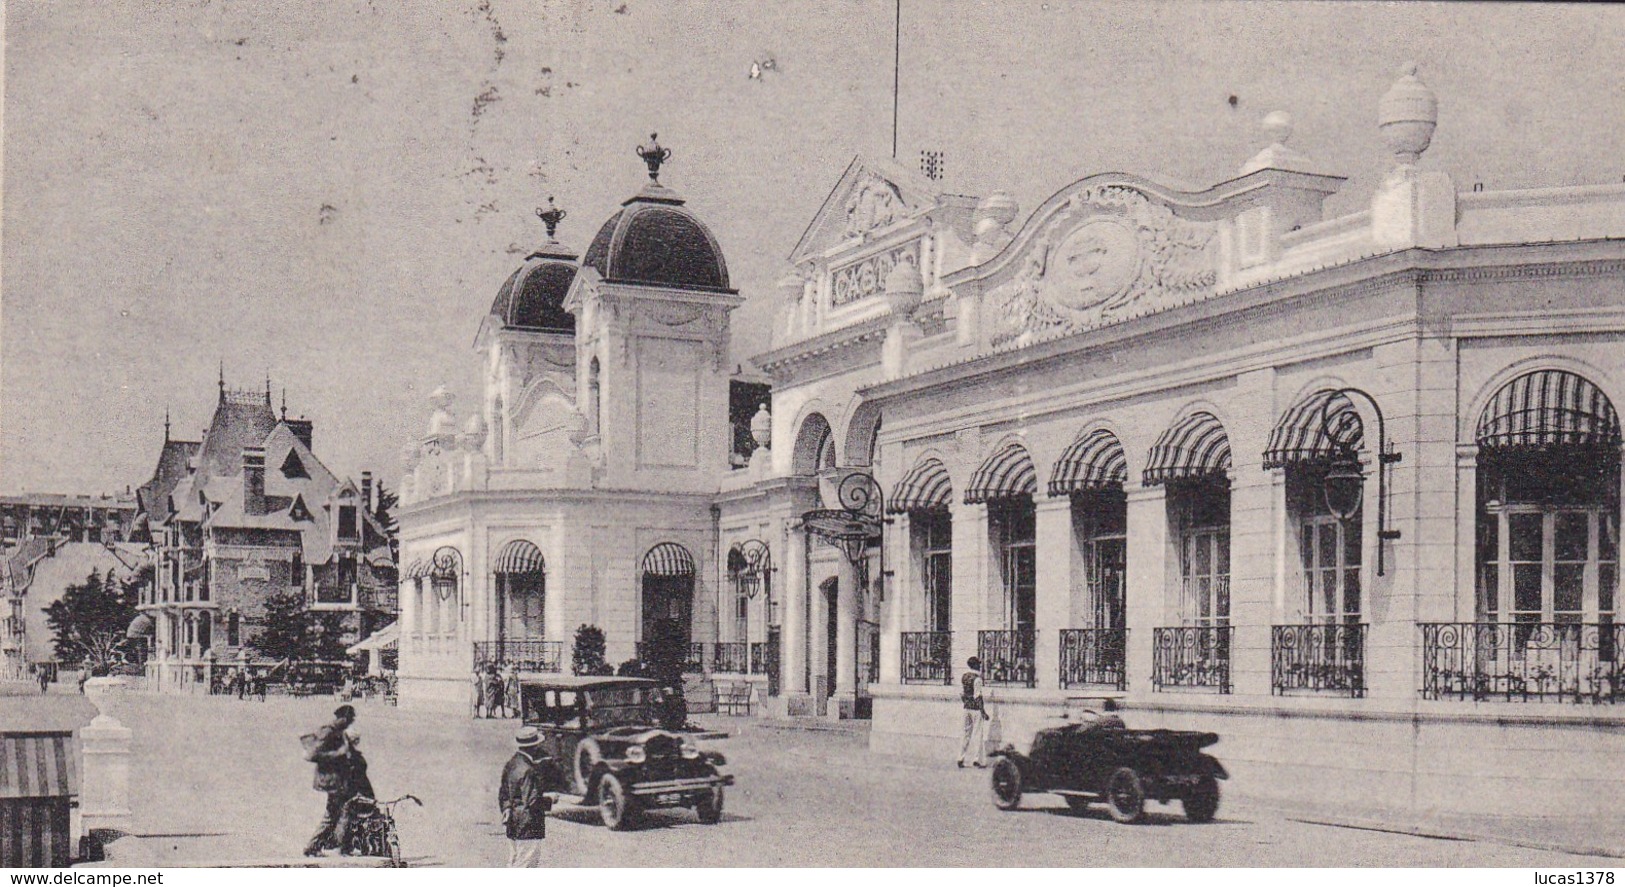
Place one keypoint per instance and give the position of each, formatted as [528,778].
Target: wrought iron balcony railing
[1191,656]
[1571,662]
[730,657]
[764,657]
[926,657]
[693,663]
[1094,657]
[525,655]
[1007,656]
[1319,658]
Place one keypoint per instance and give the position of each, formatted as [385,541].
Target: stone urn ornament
[1407,115]
[904,289]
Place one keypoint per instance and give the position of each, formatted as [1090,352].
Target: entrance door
[668,608]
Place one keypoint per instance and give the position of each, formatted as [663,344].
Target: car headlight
[689,748]
[636,754]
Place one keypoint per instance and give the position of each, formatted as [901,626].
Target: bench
[734,699]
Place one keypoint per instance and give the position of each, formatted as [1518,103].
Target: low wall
[1417,761]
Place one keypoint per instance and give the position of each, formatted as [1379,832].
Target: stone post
[104,794]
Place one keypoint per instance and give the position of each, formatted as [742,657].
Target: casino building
[1343,490]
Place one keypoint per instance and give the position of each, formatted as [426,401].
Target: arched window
[521,582]
[1548,505]
[668,595]
[1006,482]
[1092,473]
[1306,442]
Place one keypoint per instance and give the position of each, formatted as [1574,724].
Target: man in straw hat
[971,690]
[523,798]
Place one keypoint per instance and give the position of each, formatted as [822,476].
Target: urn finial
[654,155]
[551,217]
[1407,115]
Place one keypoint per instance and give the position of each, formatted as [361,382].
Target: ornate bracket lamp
[445,572]
[754,573]
[1344,484]
[850,527]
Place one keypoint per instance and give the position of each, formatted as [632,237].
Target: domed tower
[529,344]
[652,305]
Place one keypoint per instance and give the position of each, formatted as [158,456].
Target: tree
[286,631]
[90,620]
[587,655]
[384,512]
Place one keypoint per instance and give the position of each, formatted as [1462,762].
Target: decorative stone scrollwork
[1108,255]
[875,203]
[868,277]
[674,315]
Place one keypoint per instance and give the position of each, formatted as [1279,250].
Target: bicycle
[371,828]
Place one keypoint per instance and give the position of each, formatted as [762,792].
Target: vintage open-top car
[1091,756]
[604,733]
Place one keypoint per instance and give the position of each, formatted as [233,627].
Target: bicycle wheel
[394,845]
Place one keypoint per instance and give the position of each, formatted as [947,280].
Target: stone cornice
[781,363]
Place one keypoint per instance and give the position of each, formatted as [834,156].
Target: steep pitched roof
[239,421]
[152,498]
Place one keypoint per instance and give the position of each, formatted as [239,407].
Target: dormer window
[298,511]
[348,526]
[293,467]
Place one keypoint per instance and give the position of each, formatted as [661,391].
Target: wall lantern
[1344,484]
[750,568]
[445,569]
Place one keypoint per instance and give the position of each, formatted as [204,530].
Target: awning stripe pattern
[1095,461]
[1548,408]
[926,487]
[1320,426]
[418,569]
[37,765]
[142,626]
[1007,474]
[519,556]
[668,559]
[1196,447]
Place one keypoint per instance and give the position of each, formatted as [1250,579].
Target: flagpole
[896,67]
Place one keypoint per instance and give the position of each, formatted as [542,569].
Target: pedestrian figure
[523,798]
[44,679]
[355,764]
[510,690]
[480,708]
[493,692]
[329,749]
[971,691]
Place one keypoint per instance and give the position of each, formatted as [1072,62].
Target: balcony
[730,658]
[1318,658]
[1191,656]
[1570,662]
[526,655]
[1007,657]
[694,663]
[926,657]
[1094,657]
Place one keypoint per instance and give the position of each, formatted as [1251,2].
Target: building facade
[248,512]
[1345,490]
[67,518]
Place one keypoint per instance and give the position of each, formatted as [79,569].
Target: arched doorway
[668,595]
[521,601]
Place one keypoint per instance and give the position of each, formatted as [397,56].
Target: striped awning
[1094,462]
[141,626]
[418,569]
[1196,447]
[38,765]
[1320,426]
[926,487]
[1006,474]
[1548,408]
[519,556]
[668,559]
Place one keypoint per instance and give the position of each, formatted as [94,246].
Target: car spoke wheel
[586,760]
[1203,803]
[1006,784]
[1125,795]
[709,808]
[615,806]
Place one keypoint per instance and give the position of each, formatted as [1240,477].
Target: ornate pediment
[871,197]
[1108,254]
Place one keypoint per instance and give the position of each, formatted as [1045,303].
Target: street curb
[812,727]
[1440,832]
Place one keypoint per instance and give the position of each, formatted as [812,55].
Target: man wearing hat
[523,798]
[971,690]
[329,750]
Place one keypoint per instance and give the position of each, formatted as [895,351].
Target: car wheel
[615,806]
[1125,795]
[1077,804]
[1006,784]
[586,760]
[1203,803]
[709,808]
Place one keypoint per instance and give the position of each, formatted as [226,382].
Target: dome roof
[533,297]
[655,240]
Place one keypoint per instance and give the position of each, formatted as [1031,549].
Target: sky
[331,194]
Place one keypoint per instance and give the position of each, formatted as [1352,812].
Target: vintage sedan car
[604,733]
[1091,756]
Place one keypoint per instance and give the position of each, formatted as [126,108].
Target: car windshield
[623,706]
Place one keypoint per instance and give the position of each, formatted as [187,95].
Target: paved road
[223,780]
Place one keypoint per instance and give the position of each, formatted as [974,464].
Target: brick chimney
[366,491]
[253,480]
